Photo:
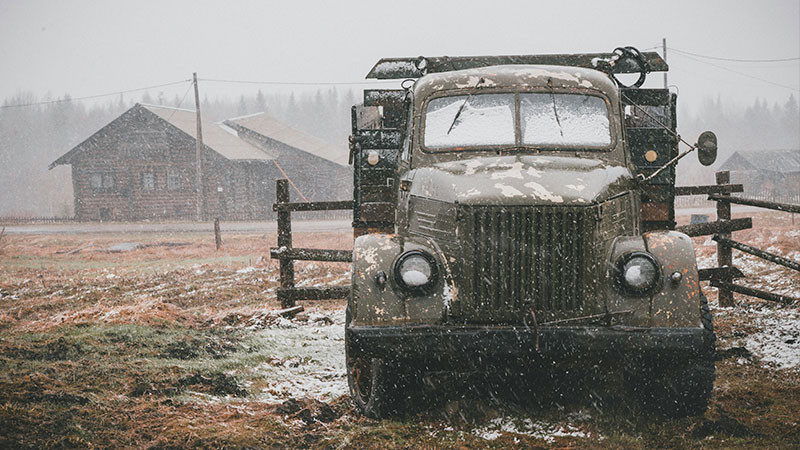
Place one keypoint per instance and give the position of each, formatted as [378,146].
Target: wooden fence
[288,293]
[723,276]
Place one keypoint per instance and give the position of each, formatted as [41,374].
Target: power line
[742,74]
[180,102]
[734,59]
[92,96]
[300,83]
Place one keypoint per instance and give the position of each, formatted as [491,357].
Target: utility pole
[199,153]
[664,51]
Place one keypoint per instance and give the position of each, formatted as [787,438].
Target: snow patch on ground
[536,429]
[307,359]
[778,343]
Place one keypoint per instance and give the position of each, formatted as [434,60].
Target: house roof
[781,161]
[216,136]
[274,129]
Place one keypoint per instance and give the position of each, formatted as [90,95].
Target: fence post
[217,235]
[724,252]
[285,241]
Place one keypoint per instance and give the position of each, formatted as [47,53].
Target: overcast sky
[93,47]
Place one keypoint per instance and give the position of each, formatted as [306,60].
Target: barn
[772,174]
[316,170]
[143,166]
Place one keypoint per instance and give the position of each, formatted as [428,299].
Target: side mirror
[707,148]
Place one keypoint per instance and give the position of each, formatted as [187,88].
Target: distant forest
[34,136]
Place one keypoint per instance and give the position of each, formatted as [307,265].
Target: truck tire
[375,385]
[676,388]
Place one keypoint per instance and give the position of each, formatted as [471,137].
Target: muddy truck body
[514,214]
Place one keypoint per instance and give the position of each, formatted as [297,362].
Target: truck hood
[520,180]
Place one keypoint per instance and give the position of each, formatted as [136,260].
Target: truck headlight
[416,272]
[637,273]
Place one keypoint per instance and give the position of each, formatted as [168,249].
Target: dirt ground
[157,340]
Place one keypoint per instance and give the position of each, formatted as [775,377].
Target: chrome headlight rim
[420,290]
[624,287]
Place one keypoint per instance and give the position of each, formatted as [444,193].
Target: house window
[148,181]
[103,181]
[174,179]
[109,181]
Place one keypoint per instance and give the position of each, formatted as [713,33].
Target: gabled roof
[781,161]
[216,136]
[274,129]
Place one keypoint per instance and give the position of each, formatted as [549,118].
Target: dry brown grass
[138,350]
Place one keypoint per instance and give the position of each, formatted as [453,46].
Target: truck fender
[677,303]
[369,302]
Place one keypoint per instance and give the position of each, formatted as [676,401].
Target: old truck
[516,213]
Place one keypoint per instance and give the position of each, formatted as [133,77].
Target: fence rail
[288,293]
[722,277]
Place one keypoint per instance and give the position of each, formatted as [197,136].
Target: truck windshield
[545,120]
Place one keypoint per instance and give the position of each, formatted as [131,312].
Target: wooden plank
[709,189]
[652,211]
[314,206]
[315,293]
[396,68]
[380,138]
[645,97]
[721,226]
[724,253]
[285,240]
[377,212]
[720,273]
[754,292]
[758,252]
[311,254]
[788,207]
[382,97]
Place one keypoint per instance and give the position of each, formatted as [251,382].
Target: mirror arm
[642,179]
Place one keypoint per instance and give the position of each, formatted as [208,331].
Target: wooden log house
[142,166]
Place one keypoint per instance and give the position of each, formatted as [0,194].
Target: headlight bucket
[416,272]
[637,274]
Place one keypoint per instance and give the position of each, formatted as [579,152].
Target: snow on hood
[519,180]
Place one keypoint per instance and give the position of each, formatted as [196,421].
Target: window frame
[178,173]
[142,176]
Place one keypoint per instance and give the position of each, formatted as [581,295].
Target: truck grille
[523,257]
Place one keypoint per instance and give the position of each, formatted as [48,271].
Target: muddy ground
[158,340]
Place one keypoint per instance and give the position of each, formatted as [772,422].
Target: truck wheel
[677,388]
[374,383]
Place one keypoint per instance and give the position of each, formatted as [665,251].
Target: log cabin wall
[139,168]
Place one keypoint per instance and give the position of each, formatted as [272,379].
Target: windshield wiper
[555,111]
[461,108]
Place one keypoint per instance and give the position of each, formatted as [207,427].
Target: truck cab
[519,210]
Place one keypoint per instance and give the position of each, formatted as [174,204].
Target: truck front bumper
[435,342]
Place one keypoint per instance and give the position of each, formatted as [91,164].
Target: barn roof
[781,161]
[274,129]
[216,136]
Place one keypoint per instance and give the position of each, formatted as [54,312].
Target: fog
[309,63]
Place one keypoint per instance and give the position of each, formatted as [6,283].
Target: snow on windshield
[559,120]
[486,119]
[564,119]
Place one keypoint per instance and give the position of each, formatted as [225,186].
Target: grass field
[173,344]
